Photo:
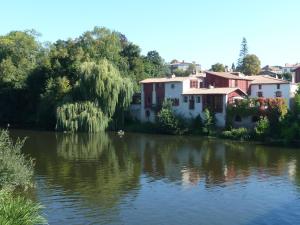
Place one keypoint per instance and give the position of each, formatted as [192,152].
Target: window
[278,86]
[198,99]
[185,99]
[259,94]
[259,86]
[278,94]
[172,86]
[160,85]
[193,84]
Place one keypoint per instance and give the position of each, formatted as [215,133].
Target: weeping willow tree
[103,83]
[102,93]
[81,116]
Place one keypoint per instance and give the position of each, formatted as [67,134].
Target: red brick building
[297,75]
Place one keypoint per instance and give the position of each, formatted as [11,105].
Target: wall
[216,81]
[297,75]
[270,89]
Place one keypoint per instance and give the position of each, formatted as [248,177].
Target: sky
[205,31]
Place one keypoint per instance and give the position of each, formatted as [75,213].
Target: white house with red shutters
[214,90]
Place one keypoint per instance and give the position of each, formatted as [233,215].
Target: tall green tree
[218,67]
[19,53]
[243,54]
[251,65]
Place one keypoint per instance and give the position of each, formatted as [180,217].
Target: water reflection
[107,175]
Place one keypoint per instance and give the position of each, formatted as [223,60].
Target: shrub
[196,125]
[236,134]
[168,122]
[262,128]
[17,210]
[208,122]
[15,169]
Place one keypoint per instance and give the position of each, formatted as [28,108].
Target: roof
[207,91]
[265,79]
[164,80]
[227,75]
[297,68]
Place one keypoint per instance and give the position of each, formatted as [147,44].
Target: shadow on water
[103,170]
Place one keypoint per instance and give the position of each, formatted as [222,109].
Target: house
[296,75]
[289,68]
[188,95]
[225,79]
[213,90]
[269,87]
[273,71]
[184,66]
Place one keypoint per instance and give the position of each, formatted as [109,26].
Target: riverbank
[238,135]
[16,175]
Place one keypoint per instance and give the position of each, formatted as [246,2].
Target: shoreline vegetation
[86,84]
[275,125]
[16,178]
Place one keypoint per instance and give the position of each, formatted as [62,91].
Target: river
[153,179]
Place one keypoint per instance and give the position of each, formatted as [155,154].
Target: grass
[18,210]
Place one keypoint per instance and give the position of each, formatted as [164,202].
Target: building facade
[213,90]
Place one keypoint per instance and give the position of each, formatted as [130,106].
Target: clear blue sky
[206,31]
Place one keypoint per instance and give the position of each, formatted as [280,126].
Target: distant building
[289,68]
[272,71]
[184,66]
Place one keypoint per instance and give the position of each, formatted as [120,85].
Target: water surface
[151,179]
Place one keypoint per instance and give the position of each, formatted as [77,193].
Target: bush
[168,122]
[15,169]
[236,134]
[196,125]
[17,210]
[262,128]
[208,122]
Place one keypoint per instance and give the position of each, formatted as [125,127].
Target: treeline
[81,84]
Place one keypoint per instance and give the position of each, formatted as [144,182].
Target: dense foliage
[16,172]
[15,169]
[100,66]
[218,67]
[240,134]
[168,121]
[81,116]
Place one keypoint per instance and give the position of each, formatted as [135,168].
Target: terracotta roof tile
[265,79]
[203,91]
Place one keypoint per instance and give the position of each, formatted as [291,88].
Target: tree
[218,67]
[243,53]
[233,67]
[287,76]
[251,65]
[19,54]
[102,82]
